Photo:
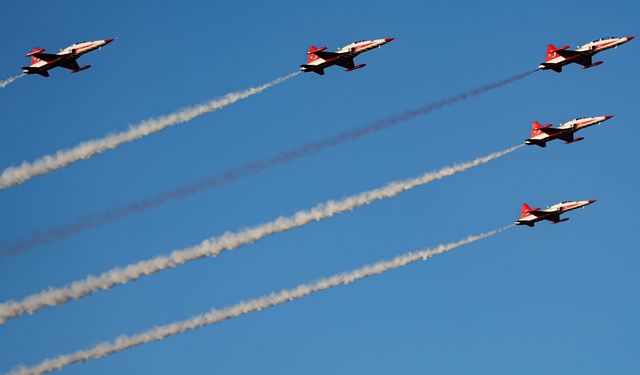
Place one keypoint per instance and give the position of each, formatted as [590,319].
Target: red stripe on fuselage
[569,207]
[603,45]
[82,49]
[358,48]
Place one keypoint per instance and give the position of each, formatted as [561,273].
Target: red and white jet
[541,134]
[529,216]
[41,62]
[559,57]
[318,59]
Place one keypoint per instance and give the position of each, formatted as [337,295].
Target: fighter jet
[559,57]
[66,58]
[529,216]
[541,134]
[318,59]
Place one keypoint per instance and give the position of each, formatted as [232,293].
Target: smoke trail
[215,316]
[248,169]
[9,80]
[15,175]
[228,241]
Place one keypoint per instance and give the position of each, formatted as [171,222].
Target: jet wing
[537,212]
[564,134]
[347,63]
[48,57]
[554,218]
[567,53]
[327,55]
[70,64]
[584,61]
[550,131]
[567,137]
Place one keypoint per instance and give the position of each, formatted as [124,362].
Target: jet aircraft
[541,134]
[529,216]
[559,57]
[318,59]
[66,58]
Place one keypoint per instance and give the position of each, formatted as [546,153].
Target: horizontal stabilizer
[312,68]
[527,223]
[552,48]
[553,66]
[314,49]
[538,143]
[30,70]
[35,52]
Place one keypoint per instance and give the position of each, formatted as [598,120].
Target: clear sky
[557,298]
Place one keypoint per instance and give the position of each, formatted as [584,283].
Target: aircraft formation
[318,59]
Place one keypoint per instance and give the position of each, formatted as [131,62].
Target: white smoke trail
[7,81]
[15,175]
[228,241]
[215,316]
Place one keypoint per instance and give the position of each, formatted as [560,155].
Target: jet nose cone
[608,117]
[630,37]
[591,201]
[387,40]
[107,41]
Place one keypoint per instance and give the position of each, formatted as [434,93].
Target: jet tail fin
[536,128]
[525,210]
[552,51]
[551,48]
[311,54]
[35,51]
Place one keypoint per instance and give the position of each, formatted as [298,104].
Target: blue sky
[558,298]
